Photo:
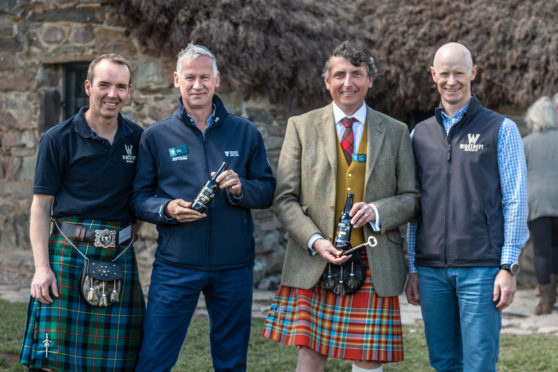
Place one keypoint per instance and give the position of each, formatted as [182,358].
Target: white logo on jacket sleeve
[129,157]
[472,145]
[231,153]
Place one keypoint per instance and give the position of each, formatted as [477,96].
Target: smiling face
[453,72]
[347,84]
[197,82]
[108,90]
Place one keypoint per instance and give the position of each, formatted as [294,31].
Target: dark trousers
[544,232]
[173,296]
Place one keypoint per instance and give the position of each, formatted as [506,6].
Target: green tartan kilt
[82,337]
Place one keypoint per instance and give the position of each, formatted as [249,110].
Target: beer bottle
[344,227]
[208,191]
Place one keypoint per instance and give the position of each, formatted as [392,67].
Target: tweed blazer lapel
[376,133]
[328,135]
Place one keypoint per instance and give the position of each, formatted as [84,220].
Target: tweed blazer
[304,199]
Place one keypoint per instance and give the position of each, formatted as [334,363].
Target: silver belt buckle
[105,238]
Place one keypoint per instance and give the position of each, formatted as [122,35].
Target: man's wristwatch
[511,268]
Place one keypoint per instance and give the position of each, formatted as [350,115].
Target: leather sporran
[346,278]
[100,282]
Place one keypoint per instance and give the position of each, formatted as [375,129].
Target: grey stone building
[45,49]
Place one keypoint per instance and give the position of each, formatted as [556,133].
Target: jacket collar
[220,112]
[474,106]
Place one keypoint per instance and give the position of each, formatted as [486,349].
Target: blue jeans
[462,324]
[173,296]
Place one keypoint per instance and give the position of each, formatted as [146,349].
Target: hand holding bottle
[362,213]
[181,211]
[328,252]
[229,180]
[208,191]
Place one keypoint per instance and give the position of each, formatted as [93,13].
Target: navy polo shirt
[88,177]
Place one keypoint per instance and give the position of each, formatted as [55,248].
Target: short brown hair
[113,57]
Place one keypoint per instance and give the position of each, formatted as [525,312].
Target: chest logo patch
[179,153]
[359,158]
[129,157]
[472,146]
[232,154]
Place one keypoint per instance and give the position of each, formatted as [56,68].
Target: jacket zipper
[448,179]
[207,173]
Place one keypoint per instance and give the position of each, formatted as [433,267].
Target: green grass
[517,353]
[12,321]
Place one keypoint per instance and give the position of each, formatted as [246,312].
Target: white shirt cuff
[311,241]
[376,224]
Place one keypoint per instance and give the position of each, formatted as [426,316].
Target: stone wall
[37,39]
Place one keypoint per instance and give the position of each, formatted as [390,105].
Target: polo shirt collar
[83,129]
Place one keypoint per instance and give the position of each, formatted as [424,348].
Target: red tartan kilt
[361,326]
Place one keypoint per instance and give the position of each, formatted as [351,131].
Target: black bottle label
[344,227]
[208,191]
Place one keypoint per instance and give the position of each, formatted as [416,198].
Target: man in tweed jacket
[310,185]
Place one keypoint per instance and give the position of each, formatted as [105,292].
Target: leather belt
[105,238]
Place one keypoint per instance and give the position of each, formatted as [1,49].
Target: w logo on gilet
[473,137]
[472,145]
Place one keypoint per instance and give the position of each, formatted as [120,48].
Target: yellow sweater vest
[350,179]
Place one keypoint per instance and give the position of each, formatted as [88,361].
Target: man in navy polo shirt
[84,173]
[211,252]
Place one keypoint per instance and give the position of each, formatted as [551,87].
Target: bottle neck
[348,204]
[221,169]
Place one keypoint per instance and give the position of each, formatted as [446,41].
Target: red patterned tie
[348,138]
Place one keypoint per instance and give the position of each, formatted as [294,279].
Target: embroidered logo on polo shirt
[129,157]
[231,153]
[179,153]
[472,146]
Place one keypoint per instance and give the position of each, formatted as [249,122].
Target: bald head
[453,71]
[453,50]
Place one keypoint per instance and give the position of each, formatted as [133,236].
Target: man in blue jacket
[211,252]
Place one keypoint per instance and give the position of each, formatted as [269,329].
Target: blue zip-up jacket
[175,159]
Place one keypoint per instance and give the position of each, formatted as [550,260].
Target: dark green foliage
[278,48]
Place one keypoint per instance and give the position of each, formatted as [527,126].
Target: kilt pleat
[81,337]
[361,326]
